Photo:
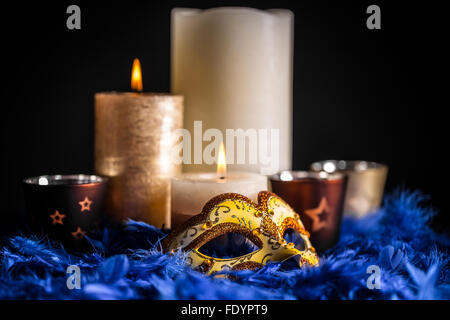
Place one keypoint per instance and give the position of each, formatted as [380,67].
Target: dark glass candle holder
[65,207]
[318,198]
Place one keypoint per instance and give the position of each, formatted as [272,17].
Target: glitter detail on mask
[264,224]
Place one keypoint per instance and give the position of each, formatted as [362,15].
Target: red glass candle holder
[318,198]
[65,207]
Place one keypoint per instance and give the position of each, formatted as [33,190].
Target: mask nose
[294,236]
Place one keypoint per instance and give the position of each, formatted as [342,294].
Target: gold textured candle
[133,147]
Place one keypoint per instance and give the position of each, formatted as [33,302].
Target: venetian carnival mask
[264,224]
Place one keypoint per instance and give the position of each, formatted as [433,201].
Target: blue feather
[127,263]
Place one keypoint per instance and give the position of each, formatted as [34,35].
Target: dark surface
[377,95]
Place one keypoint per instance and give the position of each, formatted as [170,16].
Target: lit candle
[191,191]
[133,148]
[234,67]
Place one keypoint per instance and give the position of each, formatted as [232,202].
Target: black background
[379,95]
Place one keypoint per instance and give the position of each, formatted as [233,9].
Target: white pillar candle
[191,191]
[234,67]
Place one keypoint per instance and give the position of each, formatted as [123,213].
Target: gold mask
[264,224]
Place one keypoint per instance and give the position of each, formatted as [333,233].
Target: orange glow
[221,162]
[136,76]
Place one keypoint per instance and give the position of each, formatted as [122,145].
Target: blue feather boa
[128,264]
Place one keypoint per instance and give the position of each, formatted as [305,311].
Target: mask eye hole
[228,246]
[291,235]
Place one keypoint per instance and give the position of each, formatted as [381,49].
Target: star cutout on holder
[57,218]
[85,204]
[317,215]
[79,234]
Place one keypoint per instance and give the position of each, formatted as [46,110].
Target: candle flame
[221,162]
[136,76]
